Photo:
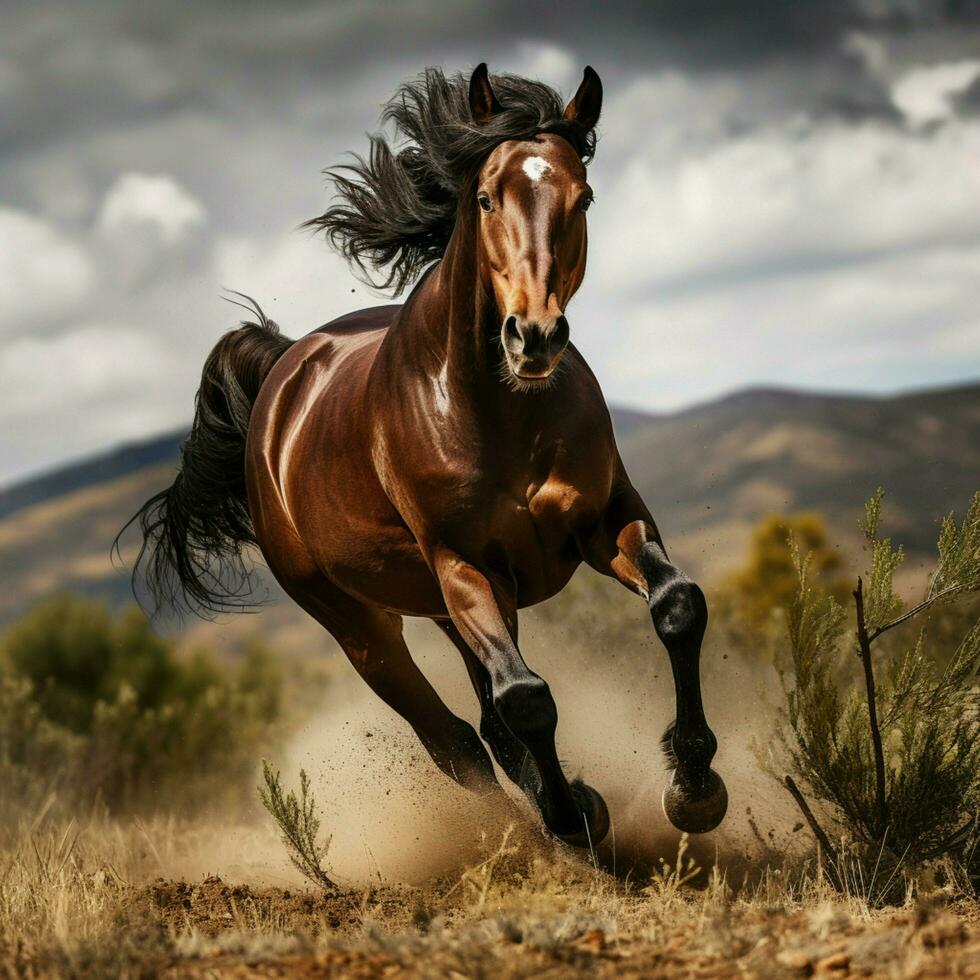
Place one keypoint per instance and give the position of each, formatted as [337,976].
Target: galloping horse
[451,457]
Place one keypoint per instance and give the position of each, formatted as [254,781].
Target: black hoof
[696,808]
[593,814]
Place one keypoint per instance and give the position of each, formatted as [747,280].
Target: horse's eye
[485,202]
[587,202]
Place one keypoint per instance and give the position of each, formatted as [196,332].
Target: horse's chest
[536,522]
[558,496]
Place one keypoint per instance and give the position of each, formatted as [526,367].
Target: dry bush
[299,826]
[749,604]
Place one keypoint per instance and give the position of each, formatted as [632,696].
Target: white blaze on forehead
[535,167]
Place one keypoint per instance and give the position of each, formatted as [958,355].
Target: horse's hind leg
[380,656]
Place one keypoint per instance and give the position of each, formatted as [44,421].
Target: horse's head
[532,196]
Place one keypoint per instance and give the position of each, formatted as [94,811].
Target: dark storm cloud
[967,102]
[69,67]
[151,153]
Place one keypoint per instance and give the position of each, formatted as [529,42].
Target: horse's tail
[195,531]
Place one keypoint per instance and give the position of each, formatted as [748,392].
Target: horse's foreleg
[628,547]
[485,617]
[512,756]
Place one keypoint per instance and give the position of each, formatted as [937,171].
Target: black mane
[398,207]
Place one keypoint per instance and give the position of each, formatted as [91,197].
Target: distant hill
[708,474]
[102,468]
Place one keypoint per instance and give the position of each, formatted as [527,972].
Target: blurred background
[781,302]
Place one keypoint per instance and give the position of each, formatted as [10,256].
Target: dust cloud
[394,818]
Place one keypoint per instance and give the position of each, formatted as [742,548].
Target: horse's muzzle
[533,349]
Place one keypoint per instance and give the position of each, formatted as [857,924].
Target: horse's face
[531,197]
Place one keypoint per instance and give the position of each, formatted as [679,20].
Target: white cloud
[40,375]
[44,273]
[902,320]
[295,277]
[552,64]
[89,388]
[821,254]
[789,195]
[147,221]
[925,94]
[150,201]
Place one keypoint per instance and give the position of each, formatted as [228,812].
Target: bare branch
[915,610]
[831,865]
[864,644]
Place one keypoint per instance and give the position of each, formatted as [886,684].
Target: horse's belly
[382,566]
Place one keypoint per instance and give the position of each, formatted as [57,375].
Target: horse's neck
[444,335]
[447,323]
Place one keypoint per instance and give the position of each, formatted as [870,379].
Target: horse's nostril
[511,333]
[561,333]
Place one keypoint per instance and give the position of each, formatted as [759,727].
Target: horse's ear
[483,103]
[586,105]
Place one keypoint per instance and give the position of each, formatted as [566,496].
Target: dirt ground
[750,942]
[540,922]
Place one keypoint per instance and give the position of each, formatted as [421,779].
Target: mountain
[708,474]
[99,469]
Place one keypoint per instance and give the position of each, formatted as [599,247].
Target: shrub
[893,747]
[98,708]
[749,603]
[299,826]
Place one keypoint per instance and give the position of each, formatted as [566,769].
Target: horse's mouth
[532,376]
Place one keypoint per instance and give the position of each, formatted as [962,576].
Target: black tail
[195,531]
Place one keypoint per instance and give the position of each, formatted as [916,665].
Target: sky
[786,193]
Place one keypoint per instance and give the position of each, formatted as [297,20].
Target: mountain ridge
[708,473]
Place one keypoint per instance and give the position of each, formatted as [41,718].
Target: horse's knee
[679,609]
[527,708]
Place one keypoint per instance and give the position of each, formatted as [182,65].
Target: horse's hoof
[696,809]
[593,813]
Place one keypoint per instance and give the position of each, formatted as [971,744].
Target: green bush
[749,605]
[887,735]
[100,710]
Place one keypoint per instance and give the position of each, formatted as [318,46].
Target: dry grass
[88,901]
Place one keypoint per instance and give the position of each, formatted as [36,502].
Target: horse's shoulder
[309,366]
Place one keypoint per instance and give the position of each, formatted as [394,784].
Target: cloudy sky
[787,193]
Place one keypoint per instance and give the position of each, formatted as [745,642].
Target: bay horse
[451,457]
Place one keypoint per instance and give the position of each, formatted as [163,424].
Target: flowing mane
[397,208]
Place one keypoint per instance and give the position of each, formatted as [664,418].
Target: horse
[451,457]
